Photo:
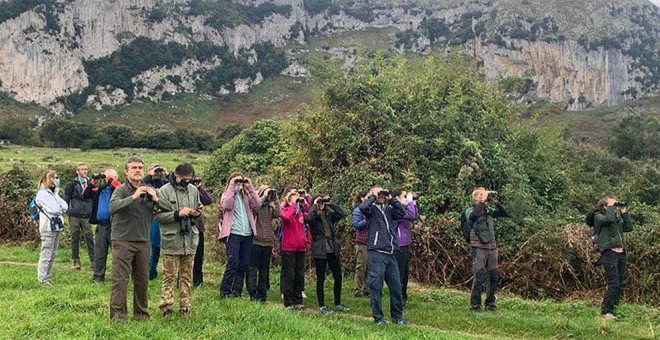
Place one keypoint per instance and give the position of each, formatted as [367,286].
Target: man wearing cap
[156,178]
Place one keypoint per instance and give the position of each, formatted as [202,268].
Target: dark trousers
[335,266]
[293,274]
[198,275]
[101,247]
[80,225]
[484,263]
[402,260]
[383,268]
[258,275]
[154,254]
[129,259]
[615,271]
[238,260]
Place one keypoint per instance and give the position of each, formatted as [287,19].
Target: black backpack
[589,221]
[466,226]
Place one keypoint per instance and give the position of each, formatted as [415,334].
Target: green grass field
[76,308]
[34,159]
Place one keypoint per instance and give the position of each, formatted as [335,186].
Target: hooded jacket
[51,206]
[610,227]
[404,235]
[173,239]
[380,224]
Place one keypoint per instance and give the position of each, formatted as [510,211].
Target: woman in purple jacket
[404,236]
[206,199]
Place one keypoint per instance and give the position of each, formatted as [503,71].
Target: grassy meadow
[36,159]
[74,307]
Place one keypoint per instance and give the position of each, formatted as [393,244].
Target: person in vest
[179,236]
[611,221]
[483,246]
[80,210]
[360,224]
[322,221]
[101,190]
[237,231]
[262,247]
[51,208]
[381,210]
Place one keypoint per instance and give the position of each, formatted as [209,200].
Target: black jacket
[95,202]
[380,224]
[79,205]
[333,214]
[482,234]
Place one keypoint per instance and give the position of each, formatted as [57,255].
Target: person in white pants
[51,208]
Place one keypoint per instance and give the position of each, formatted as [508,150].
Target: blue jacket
[380,224]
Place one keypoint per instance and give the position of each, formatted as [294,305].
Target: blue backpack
[34,209]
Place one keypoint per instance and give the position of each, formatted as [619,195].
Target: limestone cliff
[603,57]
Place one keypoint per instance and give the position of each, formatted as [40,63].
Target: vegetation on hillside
[434,127]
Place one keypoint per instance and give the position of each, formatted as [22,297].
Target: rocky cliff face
[44,49]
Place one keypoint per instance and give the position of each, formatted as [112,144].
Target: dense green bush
[436,128]
[636,138]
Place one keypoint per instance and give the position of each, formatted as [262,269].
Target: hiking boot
[380,323]
[491,308]
[475,308]
[46,283]
[76,264]
[325,311]
[401,322]
[298,307]
[608,317]
[97,280]
[184,311]
[341,308]
[167,312]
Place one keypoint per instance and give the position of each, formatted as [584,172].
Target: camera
[493,196]
[196,181]
[96,177]
[56,224]
[185,226]
[620,204]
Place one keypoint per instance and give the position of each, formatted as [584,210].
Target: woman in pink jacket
[237,231]
[295,239]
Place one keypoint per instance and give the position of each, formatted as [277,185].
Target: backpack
[34,209]
[466,226]
[589,221]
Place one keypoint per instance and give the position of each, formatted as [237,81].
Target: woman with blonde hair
[51,208]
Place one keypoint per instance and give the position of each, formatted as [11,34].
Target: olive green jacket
[610,228]
[173,240]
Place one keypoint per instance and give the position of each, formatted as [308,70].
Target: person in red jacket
[294,244]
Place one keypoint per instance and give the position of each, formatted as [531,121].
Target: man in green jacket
[611,221]
[179,236]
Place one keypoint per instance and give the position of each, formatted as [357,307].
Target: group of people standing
[162,214]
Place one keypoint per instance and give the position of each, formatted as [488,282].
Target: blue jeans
[383,268]
[238,261]
[154,254]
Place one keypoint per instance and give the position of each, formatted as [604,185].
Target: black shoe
[97,280]
[491,308]
[167,312]
[380,323]
[184,311]
[475,308]
[153,276]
